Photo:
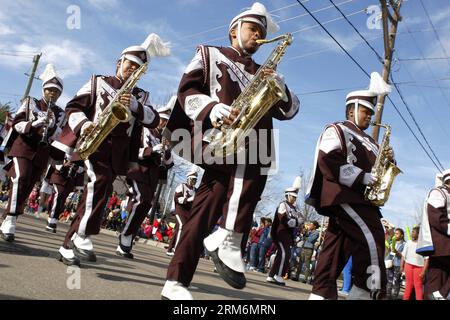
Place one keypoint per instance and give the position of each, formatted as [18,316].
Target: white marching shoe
[83,248]
[8,228]
[174,290]
[224,247]
[357,293]
[314,296]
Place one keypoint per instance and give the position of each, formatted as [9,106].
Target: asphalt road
[29,270]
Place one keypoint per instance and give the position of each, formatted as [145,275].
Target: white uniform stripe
[283,257]
[180,227]
[15,187]
[135,205]
[53,213]
[366,231]
[89,198]
[233,205]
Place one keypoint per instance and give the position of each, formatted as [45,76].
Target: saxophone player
[345,155]
[29,159]
[112,156]
[143,175]
[214,78]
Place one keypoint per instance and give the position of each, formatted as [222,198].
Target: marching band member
[287,218]
[212,81]
[64,178]
[184,196]
[112,156]
[434,239]
[36,123]
[344,158]
[154,161]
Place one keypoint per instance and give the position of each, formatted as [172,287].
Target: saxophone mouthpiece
[286,36]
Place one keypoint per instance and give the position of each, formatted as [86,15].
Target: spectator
[145,231]
[311,237]
[347,275]
[265,241]
[254,245]
[414,266]
[113,201]
[394,274]
[33,198]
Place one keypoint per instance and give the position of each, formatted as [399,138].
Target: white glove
[369,178]
[134,105]
[51,122]
[219,111]
[39,122]
[190,199]
[280,79]
[292,223]
[85,125]
[157,148]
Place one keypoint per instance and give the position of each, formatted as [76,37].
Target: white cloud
[5,30]
[104,4]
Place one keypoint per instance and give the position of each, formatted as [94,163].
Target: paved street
[29,270]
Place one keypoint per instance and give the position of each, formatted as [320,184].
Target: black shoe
[84,255]
[124,252]
[51,227]
[235,279]
[7,236]
[294,278]
[68,262]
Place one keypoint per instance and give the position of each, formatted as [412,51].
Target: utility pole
[390,34]
[36,59]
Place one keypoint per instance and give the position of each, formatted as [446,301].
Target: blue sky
[313,63]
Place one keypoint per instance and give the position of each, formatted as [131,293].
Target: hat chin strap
[239,26]
[121,67]
[356,113]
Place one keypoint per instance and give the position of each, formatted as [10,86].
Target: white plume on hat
[377,85]
[165,111]
[438,180]
[297,183]
[49,74]
[257,9]
[155,47]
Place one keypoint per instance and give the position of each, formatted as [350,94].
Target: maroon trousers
[90,211]
[353,230]
[61,192]
[438,276]
[282,258]
[138,206]
[234,197]
[181,220]
[24,175]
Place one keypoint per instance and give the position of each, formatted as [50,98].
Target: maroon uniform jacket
[88,103]
[438,214]
[343,154]
[184,196]
[25,140]
[280,229]
[218,75]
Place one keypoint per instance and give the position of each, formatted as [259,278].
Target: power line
[357,31]
[367,74]
[434,29]
[395,85]
[415,121]
[421,59]
[293,32]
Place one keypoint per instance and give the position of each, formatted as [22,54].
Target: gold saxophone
[384,170]
[114,113]
[253,103]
